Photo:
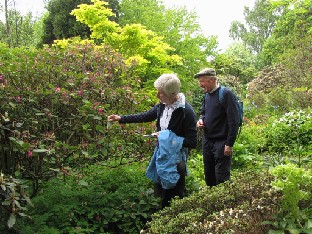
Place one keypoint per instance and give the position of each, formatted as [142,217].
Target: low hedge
[238,207]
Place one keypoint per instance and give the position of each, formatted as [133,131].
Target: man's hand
[228,151]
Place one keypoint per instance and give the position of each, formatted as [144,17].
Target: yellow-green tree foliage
[145,52]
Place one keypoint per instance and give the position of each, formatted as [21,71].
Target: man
[220,122]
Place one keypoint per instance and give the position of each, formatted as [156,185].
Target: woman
[174,114]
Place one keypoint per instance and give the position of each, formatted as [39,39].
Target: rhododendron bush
[54,104]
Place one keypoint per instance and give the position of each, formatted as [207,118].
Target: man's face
[207,83]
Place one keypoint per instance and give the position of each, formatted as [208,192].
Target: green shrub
[290,137]
[57,102]
[104,200]
[295,213]
[249,193]
[247,145]
[195,179]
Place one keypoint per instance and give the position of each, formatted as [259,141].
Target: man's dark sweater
[221,120]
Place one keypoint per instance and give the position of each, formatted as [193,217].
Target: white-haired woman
[173,113]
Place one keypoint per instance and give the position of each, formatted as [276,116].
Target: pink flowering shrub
[57,102]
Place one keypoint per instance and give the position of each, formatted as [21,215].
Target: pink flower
[18,99]
[29,153]
[80,92]
[58,89]
[100,110]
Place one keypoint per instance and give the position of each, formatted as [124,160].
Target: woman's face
[164,98]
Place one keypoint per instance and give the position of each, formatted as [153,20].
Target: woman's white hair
[168,83]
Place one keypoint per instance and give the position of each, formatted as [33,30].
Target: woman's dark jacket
[182,122]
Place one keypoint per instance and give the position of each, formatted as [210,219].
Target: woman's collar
[179,103]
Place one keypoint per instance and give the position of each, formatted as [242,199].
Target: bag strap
[221,94]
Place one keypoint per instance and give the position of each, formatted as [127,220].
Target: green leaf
[100,128]
[12,220]
[276,232]
[40,150]
[12,104]
[308,224]
[7,202]
[17,204]
[3,187]
[100,141]
[23,215]
[294,230]
[85,153]
[83,183]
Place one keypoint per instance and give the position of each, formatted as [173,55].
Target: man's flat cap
[206,72]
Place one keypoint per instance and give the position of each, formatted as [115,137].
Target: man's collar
[212,91]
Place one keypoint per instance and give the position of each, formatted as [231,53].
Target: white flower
[231,211]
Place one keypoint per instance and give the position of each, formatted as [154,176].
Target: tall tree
[259,24]
[60,24]
[236,61]
[179,28]
[18,30]
[288,52]
[145,52]
[293,30]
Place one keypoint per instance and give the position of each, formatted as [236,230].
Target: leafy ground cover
[104,200]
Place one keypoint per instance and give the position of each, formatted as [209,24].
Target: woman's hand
[200,123]
[113,118]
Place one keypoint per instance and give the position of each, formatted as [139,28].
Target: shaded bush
[102,200]
[14,199]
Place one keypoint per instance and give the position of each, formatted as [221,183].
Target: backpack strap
[240,105]
[221,94]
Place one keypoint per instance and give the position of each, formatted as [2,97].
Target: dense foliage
[290,138]
[60,24]
[56,105]
[259,25]
[178,27]
[237,207]
[98,200]
[18,30]
[86,176]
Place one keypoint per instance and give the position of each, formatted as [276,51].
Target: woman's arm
[147,116]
